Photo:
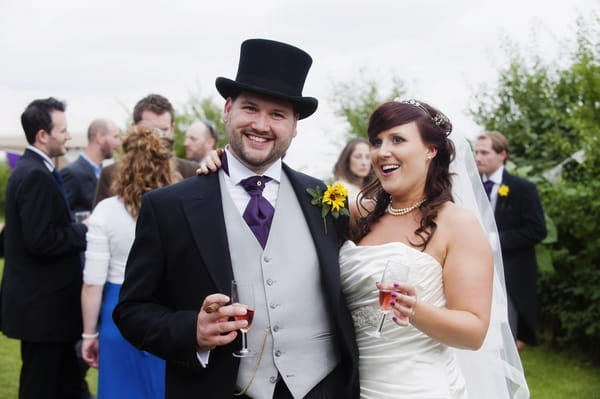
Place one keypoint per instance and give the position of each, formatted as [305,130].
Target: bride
[447,336]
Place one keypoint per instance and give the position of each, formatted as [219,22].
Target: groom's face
[260,129]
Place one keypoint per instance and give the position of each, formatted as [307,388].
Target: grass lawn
[558,375]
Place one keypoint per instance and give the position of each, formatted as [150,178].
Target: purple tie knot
[259,212]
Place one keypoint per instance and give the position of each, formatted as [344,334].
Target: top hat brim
[304,106]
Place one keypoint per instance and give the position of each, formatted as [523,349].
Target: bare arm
[467,275]
[91,299]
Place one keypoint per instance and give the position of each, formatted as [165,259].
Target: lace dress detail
[406,363]
[365,317]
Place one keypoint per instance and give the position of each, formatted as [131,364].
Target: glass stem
[381,321]
[244,343]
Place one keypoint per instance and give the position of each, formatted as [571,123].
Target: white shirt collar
[47,161]
[496,177]
[238,171]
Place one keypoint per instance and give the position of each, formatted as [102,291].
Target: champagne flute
[243,294]
[394,272]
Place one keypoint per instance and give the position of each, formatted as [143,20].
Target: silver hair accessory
[439,119]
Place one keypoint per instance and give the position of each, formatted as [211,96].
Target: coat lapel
[204,212]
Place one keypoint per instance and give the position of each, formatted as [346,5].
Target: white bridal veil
[494,371]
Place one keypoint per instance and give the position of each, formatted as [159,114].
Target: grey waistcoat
[291,318]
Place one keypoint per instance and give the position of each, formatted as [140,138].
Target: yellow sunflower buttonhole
[503,190]
[333,200]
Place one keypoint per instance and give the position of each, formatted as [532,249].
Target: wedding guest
[156,111]
[408,214]
[521,224]
[123,370]
[194,237]
[200,138]
[353,167]
[80,178]
[81,175]
[39,296]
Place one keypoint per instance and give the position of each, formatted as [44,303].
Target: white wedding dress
[405,363]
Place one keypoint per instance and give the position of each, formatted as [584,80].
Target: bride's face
[400,160]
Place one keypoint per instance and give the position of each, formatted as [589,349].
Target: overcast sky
[101,57]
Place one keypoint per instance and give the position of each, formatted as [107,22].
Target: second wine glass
[243,294]
[395,271]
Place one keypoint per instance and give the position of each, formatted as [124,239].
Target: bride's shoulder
[455,216]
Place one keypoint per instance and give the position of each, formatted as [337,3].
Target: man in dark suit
[157,112]
[253,221]
[521,225]
[81,176]
[41,285]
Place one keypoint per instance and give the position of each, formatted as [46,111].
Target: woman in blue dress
[123,370]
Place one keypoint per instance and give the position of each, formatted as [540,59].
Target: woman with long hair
[450,307]
[123,370]
[353,166]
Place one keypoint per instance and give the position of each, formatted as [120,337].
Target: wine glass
[395,271]
[243,294]
[80,216]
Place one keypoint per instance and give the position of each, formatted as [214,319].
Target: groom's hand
[215,325]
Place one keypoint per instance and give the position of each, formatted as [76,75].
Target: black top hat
[272,68]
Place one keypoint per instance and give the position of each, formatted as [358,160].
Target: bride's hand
[404,303]
[212,162]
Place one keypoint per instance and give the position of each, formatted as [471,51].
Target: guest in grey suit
[193,238]
[81,175]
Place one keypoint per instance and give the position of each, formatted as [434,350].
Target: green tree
[194,108]
[550,112]
[354,100]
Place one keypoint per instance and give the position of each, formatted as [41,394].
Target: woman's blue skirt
[124,371]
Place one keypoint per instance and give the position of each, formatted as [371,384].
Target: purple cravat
[259,212]
[487,185]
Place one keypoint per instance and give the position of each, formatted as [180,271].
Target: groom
[252,222]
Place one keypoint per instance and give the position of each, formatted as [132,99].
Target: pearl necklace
[402,211]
